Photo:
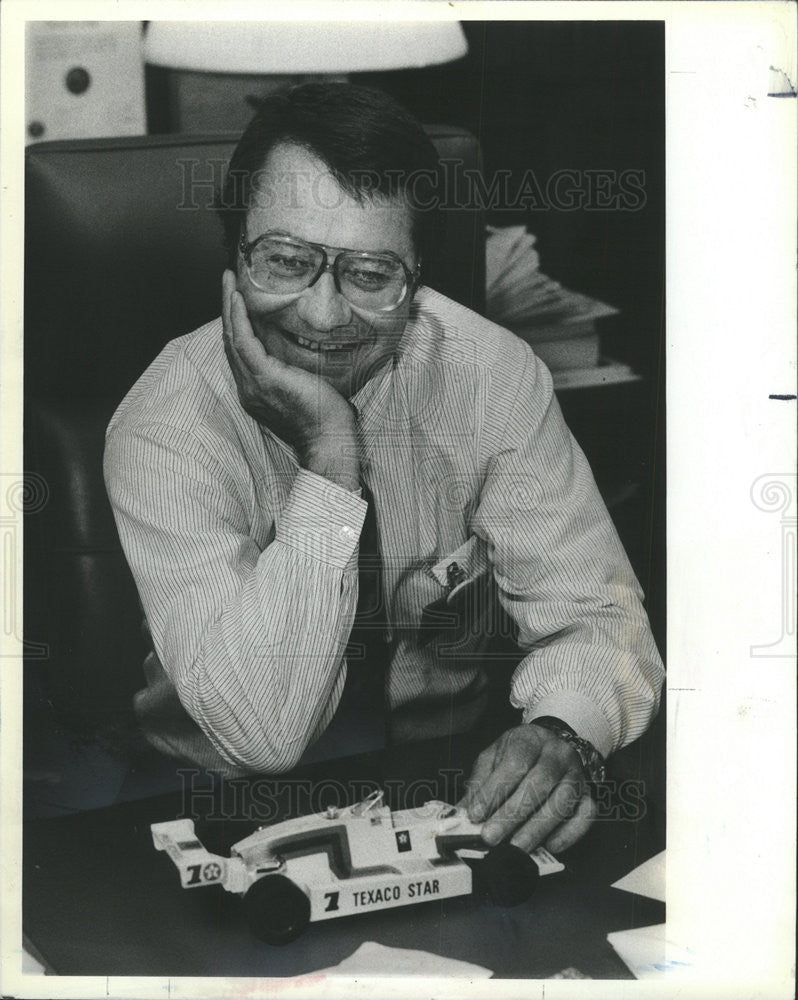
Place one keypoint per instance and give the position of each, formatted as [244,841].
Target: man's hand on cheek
[300,407]
[528,787]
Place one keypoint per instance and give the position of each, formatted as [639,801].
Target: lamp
[217,68]
[302,47]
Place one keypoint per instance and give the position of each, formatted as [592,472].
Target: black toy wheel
[506,874]
[277,909]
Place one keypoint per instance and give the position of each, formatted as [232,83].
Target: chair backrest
[123,253]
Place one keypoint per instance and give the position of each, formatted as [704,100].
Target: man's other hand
[302,408]
[528,787]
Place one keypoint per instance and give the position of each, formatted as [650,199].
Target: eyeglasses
[286,265]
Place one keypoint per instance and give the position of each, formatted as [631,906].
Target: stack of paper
[559,324]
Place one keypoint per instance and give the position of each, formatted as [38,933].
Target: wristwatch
[592,762]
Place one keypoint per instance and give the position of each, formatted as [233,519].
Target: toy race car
[354,860]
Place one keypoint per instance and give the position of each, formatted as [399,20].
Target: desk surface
[99,900]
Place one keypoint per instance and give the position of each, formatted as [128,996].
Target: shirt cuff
[580,713]
[322,520]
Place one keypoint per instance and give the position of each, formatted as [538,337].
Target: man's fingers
[228,287]
[248,349]
[244,351]
[486,763]
[483,765]
[241,333]
[511,766]
[228,335]
[529,795]
[575,828]
[557,809]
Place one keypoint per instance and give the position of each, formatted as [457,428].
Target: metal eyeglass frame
[412,278]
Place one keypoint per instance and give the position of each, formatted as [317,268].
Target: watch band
[592,762]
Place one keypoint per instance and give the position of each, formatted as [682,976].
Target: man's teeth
[313,345]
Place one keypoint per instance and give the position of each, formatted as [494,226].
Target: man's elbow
[247,736]
[259,753]
[275,748]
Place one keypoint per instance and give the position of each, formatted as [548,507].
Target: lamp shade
[297,47]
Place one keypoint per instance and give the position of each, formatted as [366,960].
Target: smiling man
[307,321]
[324,496]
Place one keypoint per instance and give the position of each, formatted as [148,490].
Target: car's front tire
[506,874]
[278,911]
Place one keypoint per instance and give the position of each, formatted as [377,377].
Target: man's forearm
[268,668]
[335,457]
[252,639]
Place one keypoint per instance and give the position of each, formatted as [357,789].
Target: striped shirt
[246,564]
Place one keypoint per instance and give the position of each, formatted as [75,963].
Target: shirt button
[346,532]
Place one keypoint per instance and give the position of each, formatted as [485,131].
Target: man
[249,459]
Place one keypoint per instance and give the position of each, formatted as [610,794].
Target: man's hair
[371,145]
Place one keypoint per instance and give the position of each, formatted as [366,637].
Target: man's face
[297,196]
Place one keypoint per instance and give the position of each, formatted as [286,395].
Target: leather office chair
[123,253]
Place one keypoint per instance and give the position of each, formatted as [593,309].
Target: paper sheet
[646,880]
[649,954]
[374,959]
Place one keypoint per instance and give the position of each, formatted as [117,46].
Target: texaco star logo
[403,840]
[212,871]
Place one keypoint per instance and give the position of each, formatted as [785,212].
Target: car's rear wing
[197,866]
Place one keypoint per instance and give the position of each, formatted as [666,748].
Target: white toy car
[353,860]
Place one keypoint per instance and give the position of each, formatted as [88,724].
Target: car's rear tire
[506,874]
[277,909]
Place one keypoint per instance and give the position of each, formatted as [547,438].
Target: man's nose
[322,306]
